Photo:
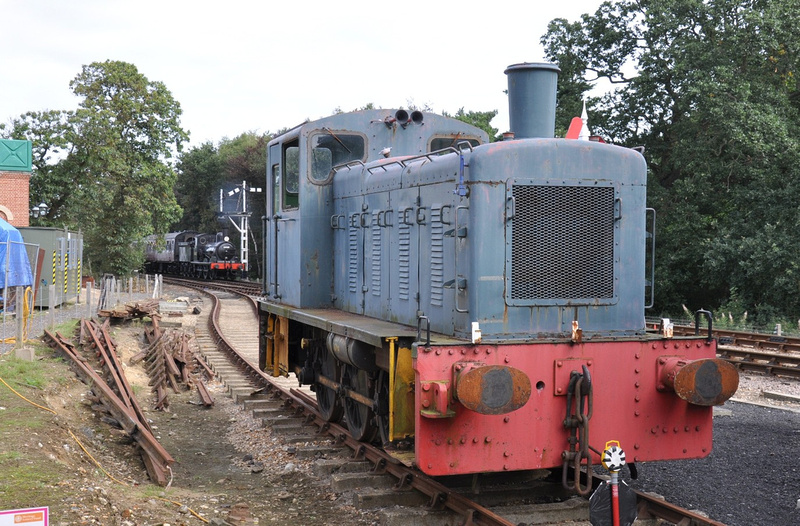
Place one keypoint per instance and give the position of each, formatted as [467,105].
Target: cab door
[442,282]
[376,255]
[270,230]
[284,225]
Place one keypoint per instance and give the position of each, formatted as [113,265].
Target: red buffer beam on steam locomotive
[227,265]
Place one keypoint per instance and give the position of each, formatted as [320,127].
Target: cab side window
[276,188]
[291,176]
[331,148]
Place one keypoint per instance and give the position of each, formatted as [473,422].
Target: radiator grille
[562,243]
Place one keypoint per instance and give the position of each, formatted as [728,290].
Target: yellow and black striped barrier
[66,269]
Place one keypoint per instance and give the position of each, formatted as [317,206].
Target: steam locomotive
[193,255]
[481,301]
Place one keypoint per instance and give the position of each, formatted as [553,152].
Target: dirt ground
[228,468]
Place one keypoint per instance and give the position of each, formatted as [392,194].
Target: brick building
[15,176]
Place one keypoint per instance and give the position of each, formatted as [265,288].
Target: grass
[22,475]
[15,418]
[24,429]
[68,328]
[21,372]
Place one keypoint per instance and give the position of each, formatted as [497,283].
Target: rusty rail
[440,495]
[156,459]
[107,351]
[764,353]
[170,362]
[650,507]
[754,340]
[762,361]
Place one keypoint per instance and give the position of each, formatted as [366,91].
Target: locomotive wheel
[382,411]
[359,417]
[330,406]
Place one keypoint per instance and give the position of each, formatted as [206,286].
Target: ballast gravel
[752,476]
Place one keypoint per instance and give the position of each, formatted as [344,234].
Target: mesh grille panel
[562,243]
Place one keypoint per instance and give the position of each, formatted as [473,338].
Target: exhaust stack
[532,99]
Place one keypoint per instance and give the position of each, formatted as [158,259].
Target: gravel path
[752,477]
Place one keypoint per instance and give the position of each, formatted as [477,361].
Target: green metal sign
[15,156]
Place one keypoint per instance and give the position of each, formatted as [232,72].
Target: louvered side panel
[352,259]
[376,257]
[437,257]
[404,261]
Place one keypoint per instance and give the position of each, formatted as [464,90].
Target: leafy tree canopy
[480,119]
[106,168]
[710,89]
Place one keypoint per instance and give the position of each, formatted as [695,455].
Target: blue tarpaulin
[16,269]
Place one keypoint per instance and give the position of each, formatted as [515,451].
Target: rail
[156,459]
[765,353]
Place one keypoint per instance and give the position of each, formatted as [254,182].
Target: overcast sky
[238,66]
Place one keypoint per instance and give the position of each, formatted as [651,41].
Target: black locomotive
[194,255]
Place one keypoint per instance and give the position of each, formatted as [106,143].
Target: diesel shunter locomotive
[483,301]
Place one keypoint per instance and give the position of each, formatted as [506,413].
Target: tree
[200,177]
[480,119]
[113,178]
[710,89]
[206,170]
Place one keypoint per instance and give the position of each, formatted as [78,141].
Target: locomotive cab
[301,211]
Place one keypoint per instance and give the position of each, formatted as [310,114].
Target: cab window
[276,188]
[331,148]
[291,176]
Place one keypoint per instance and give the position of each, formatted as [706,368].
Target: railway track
[228,336]
[764,353]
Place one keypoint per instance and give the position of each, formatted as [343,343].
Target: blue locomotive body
[425,282]
[522,237]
